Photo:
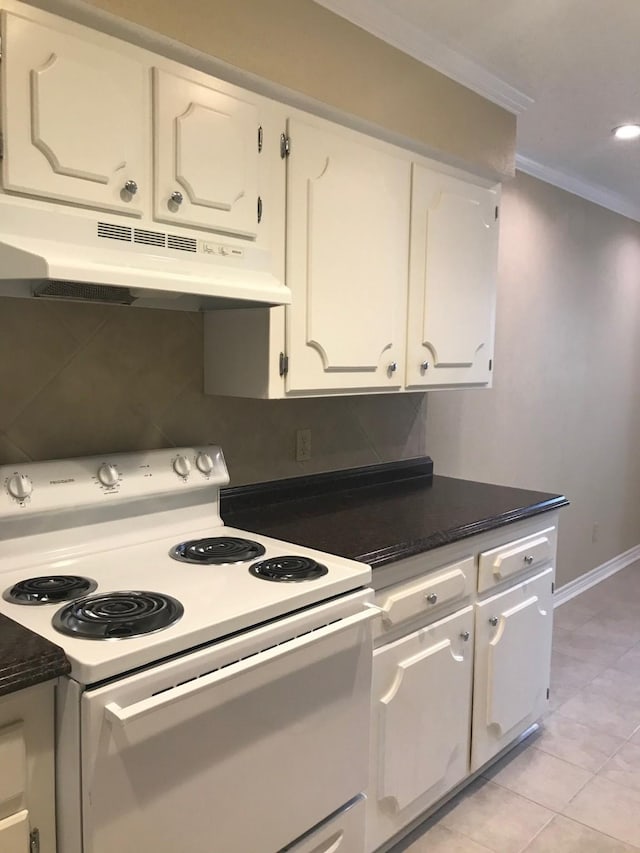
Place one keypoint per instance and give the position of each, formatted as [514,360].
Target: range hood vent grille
[149,238]
[111,294]
[182,244]
[114,232]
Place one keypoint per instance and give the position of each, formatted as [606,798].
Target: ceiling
[570,70]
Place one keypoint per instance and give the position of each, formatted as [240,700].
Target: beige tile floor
[574,787]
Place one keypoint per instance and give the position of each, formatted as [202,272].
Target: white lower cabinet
[420,722]
[513,657]
[449,695]
[27,799]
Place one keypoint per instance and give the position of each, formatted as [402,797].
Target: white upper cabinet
[454,240]
[76,118]
[346,260]
[208,143]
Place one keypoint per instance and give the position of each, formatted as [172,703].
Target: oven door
[237,748]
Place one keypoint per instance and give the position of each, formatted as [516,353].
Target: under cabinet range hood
[59,254]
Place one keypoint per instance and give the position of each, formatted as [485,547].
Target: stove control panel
[36,487]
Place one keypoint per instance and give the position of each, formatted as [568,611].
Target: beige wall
[79,379]
[301,45]
[564,414]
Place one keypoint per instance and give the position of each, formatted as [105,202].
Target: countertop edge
[381,557]
[44,664]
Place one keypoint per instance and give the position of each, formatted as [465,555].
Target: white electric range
[219,690]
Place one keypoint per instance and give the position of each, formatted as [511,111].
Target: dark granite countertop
[382,513]
[26,658]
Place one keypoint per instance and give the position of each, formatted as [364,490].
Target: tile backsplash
[79,379]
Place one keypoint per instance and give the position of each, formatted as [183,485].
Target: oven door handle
[226,681]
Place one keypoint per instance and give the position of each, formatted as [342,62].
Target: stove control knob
[182,466]
[204,463]
[20,486]
[108,474]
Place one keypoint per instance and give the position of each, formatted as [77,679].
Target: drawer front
[500,563]
[429,594]
[344,833]
[13,769]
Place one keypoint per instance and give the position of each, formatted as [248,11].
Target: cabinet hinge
[553,587]
[285,145]
[260,139]
[497,211]
[1,147]
[548,692]
[34,841]
[284,364]
[259,209]
[490,364]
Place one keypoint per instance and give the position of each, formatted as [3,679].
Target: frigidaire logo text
[57,482]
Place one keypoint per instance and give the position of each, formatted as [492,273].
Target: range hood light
[627,131]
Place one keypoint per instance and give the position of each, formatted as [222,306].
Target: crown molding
[375,18]
[577,186]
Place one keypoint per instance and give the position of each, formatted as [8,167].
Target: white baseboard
[586,581]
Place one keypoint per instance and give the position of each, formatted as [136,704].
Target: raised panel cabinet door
[452,281]
[421,714]
[208,146]
[346,260]
[513,658]
[14,833]
[76,118]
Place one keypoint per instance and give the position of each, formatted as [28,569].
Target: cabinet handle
[393,367]
[424,366]
[465,636]
[176,197]
[130,187]
[432,598]
[528,558]
[493,621]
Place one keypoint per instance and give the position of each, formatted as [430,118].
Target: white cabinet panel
[420,722]
[75,117]
[452,286]
[13,769]
[515,558]
[347,261]
[513,655]
[206,146]
[14,833]
[342,834]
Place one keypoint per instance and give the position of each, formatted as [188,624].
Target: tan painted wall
[303,46]
[564,413]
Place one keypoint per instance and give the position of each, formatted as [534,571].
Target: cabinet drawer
[518,556]
[427,595]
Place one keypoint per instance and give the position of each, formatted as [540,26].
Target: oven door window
[245,756]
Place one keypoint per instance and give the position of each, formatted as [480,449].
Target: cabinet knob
[424,366]
[493,621]
[432,598]
[130,187]
[528,558]
[465,635]
[176,197]
[393,367]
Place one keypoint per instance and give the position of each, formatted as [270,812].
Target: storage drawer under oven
[428,595]
[514,558]
[342,833]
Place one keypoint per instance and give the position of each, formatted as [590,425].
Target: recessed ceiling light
[627,131]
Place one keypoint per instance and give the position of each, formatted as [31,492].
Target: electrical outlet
[303,445]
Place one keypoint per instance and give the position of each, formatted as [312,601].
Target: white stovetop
[120,533]
[217,600]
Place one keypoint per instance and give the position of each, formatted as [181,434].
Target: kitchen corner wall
[80,379]
[564,412]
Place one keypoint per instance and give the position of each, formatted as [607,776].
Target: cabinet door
[421,710]
[513,657]
[75,116]
[14,833]
[207,150]
[347,260]
[454,240]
